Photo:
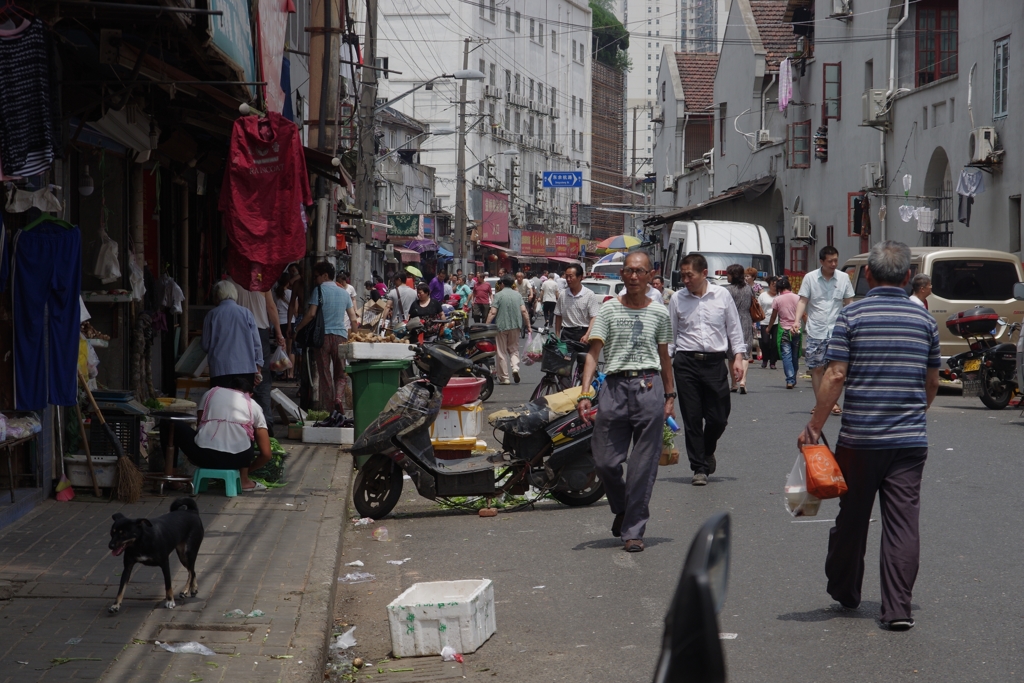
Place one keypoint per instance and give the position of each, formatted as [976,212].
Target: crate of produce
[429,616]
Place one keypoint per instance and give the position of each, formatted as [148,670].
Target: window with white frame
[1000,73]
[491,10]
[540,33]
[554,40]
[574,50]
[519,23]
[508,18]
[533,29]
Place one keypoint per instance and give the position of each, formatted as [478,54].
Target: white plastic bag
[279,361]
[534,351]
[189,648]
[108,267]
[799,502]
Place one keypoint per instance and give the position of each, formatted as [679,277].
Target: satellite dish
[796,204]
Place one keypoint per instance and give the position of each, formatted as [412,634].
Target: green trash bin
[374,382]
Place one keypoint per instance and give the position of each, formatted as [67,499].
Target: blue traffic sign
[563,178]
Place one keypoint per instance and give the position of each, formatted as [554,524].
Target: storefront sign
[574,214]
[574,247]
[494,219]
[550,245]
[378,232]
[231,36]
[404,225]
[532,243]
[427,224]
[561,244]
[515,240]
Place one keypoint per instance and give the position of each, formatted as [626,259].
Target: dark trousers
[262,392]
[549,313]
[629,412]
[572,333]
[480,312]
[185,439]
[704,402]
[769,349]
[895,473]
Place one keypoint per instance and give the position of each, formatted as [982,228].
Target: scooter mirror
[691,651]
[1018,291]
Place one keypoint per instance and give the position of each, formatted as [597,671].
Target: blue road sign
[563,178]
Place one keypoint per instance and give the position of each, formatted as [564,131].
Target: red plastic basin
[462,390]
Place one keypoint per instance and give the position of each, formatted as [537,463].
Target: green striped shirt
[631,335]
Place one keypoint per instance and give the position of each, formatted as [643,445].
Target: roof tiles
[697,73]
[776,36]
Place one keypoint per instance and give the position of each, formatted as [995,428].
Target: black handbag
[312,335]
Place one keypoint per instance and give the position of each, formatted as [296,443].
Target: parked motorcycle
[551,454]
[474,342]
[989,369]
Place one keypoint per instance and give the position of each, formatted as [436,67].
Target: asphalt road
[571,605]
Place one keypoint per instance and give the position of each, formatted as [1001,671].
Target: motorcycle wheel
[995,394]
[587,496]
[488,389]
[378,487]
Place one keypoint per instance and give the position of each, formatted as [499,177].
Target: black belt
[635,373]
[567,327]
[700,355]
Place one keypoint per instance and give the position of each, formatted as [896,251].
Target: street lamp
[460,75]
[437,131]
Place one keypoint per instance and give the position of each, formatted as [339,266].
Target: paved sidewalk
[276,551]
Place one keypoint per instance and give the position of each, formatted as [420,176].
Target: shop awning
[407,255]
[532,259]
[444,253]
[749,191]
[421,246]
[564,259]
[498,247]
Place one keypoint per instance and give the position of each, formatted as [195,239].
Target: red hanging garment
[263,199]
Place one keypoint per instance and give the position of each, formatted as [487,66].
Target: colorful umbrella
[614,257]
[413,270]
[620,243]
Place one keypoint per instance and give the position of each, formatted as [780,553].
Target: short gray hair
[889,262]
[920,281]
[224,290]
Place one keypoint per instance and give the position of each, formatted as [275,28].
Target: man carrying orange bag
[885,351]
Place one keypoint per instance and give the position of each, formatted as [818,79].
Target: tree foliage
[611,38]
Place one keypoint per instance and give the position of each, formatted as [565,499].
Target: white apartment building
[652,24]
[703,25]
[535,98]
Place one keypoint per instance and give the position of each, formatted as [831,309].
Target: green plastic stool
[232,480]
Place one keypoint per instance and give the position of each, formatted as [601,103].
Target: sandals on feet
[257,487]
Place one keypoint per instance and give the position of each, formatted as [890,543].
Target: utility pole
[324,75]
[461,245]
[632,171]
[365,183]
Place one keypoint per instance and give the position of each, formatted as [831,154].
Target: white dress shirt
[654,295]
[707,324]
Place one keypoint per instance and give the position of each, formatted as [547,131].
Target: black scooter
[552,455]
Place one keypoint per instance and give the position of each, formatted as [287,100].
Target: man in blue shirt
[330,383]
[231,341]
[437,286]
[885,351]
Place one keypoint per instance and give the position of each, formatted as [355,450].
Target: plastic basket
[555,362]
[127,430]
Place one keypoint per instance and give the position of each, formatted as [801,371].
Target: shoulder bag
[756,312]
[312,335]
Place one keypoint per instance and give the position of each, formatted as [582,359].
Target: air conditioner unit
[436,205]
[875,111]
[479,180]
[491,169]
[763,136]
[492,183]
[539,182]
[801,227]
[670,182]
[841,9]
[982,143]
[532,105]
[870,175]
[389,253]
[515,183]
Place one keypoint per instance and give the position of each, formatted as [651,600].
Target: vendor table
[169,418]
[6,446]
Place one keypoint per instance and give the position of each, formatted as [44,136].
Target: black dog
[151,542]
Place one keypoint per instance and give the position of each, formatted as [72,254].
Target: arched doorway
[938,183]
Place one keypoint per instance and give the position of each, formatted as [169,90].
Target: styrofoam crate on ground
[459,422]
[77,470]
[342,436]
[429,616]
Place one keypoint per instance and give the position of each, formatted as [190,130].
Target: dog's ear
[117,517]
[146,522]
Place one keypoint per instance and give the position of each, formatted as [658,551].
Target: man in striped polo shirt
[575,308]
[885,351]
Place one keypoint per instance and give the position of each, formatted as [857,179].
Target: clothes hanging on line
[263,199]
[971,182]
[926,219]
[963,210]
[169,294]
[47,279]
[785,84]
[29,100]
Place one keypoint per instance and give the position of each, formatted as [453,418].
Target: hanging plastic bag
[799,501]
[279,361]
[824,477]
[107,269]
[534,349]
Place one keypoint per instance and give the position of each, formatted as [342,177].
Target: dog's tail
[184,503]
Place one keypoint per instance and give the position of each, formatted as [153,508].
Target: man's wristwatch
[670,395]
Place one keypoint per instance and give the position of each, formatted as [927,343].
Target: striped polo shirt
[889,344]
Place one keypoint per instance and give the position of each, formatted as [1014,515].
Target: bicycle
[560,373]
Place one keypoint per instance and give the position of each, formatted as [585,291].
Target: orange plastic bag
[824,477]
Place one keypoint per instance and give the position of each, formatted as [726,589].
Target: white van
[722,243]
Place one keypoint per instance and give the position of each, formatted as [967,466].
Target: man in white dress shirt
[705,326]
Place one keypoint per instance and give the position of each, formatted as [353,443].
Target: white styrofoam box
[287,406]
[342,436]
[370,351]
[77,469]
[459,422]
[430,615]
